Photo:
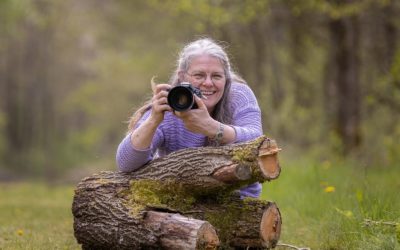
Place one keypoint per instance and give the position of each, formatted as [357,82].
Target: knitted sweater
[171,135]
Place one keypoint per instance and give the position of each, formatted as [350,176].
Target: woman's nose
[208,81]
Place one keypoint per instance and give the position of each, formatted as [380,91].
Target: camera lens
[180,98]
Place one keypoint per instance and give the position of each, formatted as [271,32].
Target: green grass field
[36,216]
[323,206]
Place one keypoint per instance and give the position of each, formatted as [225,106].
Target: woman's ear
[181,76]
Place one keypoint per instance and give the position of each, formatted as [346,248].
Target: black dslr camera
[181,97]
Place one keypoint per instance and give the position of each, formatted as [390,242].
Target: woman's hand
[159,103]
[199,120]
[142,136]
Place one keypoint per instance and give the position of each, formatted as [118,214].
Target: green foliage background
[73,72]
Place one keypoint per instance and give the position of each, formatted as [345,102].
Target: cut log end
[270,227]
[268,159]
[207,237]
[180,232]
[269,165]
[232,173]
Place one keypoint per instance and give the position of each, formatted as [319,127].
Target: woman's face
[207,73]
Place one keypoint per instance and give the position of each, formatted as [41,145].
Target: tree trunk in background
[297,53]
[13,88]
[345,56]
[257,36]
[275,28]
[389,27]
[29,105]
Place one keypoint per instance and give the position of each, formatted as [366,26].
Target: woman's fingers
[161,100]
[161,95]
[161,87]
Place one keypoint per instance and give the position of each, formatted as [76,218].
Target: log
[103,220]
[181,201]
[178,232]
[248,223]
[105,217]
[208,169]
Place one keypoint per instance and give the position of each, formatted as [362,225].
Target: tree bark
[200,168]
[242,223]
[103,221]
[169,204]
[104,218]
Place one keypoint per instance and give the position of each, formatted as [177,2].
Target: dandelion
[20,232]
[329,189]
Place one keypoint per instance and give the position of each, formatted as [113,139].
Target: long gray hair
[203,46]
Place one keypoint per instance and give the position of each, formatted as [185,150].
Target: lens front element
[180,98]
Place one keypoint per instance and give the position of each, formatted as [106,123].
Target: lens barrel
[181,98]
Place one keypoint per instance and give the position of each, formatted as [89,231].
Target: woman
[227,113]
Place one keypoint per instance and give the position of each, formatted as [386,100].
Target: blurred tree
[72,72]
[35,76]
[345,41]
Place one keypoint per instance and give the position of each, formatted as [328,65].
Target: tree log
[105,218]
[171,204]
[179,232]
[207,169]
[248,223]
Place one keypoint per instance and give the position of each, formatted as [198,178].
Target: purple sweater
[171,135]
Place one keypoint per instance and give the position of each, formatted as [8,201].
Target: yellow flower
[20,232]
[329,189]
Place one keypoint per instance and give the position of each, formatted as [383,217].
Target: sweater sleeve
[129,158]
[247,125]
[246,113]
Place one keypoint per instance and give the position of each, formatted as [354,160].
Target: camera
[181,97]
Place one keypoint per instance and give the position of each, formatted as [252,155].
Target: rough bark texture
[176,201]
[103,220]
[242,223]
[179,232]
[198,167]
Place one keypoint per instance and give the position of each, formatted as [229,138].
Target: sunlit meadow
[331,205]
[324,205]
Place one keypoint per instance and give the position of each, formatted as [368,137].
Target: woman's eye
[198,76]
[217,77]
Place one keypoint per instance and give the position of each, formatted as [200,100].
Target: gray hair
[207,46]
[203,46]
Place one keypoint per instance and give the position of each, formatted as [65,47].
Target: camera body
[181,97]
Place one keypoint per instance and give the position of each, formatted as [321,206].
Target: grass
[36,216]
[323,206]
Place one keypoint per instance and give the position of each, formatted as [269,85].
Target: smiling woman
[226,113]
[208,76]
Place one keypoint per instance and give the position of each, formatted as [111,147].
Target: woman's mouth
[207,92]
